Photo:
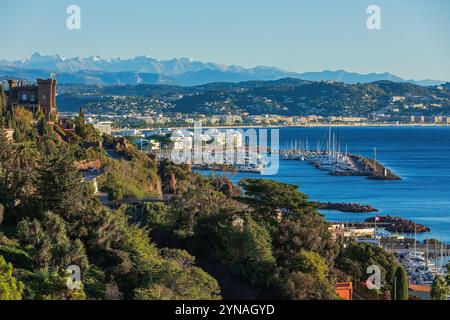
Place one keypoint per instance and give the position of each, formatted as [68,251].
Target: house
[344,290]
[419,291]
[104,127]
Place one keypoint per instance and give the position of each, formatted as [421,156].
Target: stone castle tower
[32,97]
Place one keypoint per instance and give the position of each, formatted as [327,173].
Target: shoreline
[316,125]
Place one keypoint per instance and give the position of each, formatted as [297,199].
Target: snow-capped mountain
[183,71]
[143,64]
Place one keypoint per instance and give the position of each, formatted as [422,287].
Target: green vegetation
[357,257]
[238,235]
[10,288]
[400,286]
[290,97]
[257,240]
[3,109]
[440,289]
[51,220]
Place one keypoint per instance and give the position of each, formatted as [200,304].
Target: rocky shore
[397,224]
[345,207]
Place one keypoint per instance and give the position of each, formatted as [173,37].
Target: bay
[419,155]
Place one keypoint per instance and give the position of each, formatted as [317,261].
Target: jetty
[392,224]
[397,224]
[338,163]
[344,207]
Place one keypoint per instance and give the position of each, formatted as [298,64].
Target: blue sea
[419,155]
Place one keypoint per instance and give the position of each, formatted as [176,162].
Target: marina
[420,155]
[423,261]
[424,264]
[330,158]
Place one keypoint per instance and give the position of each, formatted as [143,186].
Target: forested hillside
[282,97]
[212,240]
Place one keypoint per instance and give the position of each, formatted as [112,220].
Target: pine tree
[60,186]
[80,124]
[400,286]
[18,165]
[50,244]
[42,125]
[10,121]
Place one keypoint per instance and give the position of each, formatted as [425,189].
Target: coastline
[315,125]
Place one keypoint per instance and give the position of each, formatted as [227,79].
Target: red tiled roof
[420,287]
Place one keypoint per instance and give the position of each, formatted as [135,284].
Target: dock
[342,164]
[328,156]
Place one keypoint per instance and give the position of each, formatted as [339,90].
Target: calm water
[420,155]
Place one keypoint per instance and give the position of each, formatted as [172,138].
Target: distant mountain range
[183,71]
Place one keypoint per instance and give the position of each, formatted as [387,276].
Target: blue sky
[297,35]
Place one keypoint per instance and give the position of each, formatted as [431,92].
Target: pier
[372,169]
[342,165]
[329,157]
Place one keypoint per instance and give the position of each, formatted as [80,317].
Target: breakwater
[344,207]
[372,169]
[342,164]
[400,225]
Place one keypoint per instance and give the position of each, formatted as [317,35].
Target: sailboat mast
[415,241]
[329,141]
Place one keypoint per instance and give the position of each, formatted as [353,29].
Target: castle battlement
[42,96]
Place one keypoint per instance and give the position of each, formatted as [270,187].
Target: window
[24,97]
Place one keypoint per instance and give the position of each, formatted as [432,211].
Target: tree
[302,286]
[440,289]
[311,263]
[293,222]
[23,125]
[447,277]
[80,124]
[42,125]
[239,243]
[85,131]
[10,288]
[18,165]
[307,278]
[306,232]
[400,286]
[196,199]
[270,198]
[114,187]
[357,257]
[116,194]
[50,246]
[44,285]
[180,279]
[59,186]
